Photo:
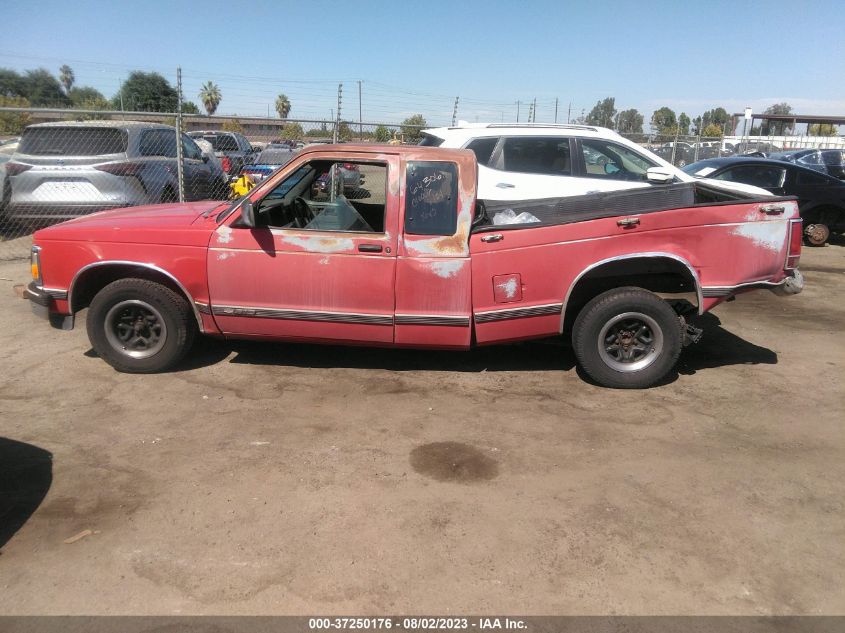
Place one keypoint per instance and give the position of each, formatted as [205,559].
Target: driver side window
[325,195]
[612,161]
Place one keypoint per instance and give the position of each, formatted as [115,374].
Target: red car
[415,261]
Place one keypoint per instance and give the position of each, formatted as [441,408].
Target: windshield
[701,169]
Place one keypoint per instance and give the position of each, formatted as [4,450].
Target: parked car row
[65,169]
[821,198]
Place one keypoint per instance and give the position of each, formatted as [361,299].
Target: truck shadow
[718,348]
[26,474]
[546,355]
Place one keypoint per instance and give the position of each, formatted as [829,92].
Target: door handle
[505,185]
[496,237]
[370,248]
[772,209]
[627,222]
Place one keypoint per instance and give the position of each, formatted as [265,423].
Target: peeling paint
[509,287]
[222,255]
[447,269]
[224,234]
[768,235]
[320,244]
[324,261]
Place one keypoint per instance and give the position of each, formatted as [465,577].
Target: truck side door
[433,271]
[321,262]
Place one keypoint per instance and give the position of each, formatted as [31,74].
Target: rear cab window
[72,141]
[431,198]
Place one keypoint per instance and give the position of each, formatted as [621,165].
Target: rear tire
[139,326]
[627,338]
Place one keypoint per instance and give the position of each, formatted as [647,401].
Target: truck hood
[158,223]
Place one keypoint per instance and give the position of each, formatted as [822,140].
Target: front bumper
[40,301]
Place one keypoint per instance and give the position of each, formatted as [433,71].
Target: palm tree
[210,97]
[283,106]
[66,77]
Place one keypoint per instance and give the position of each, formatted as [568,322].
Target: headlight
[35,264]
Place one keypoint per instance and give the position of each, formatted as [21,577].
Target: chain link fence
[68,163]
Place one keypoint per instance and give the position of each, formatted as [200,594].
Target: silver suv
[62,170]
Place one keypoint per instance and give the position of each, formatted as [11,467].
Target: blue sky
[417,56]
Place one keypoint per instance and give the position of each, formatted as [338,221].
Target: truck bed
[555,211]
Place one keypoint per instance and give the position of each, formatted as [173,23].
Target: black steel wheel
[627,338]
[139,326]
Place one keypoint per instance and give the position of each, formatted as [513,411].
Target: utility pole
[530,112]
[517,111]
[337,117]
[534,110]
[569,112]
[555,109]
[180,175]
[455,113]
[360,115]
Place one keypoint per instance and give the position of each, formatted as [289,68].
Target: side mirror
[247,214]
[659,176]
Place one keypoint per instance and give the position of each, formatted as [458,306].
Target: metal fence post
[180,169]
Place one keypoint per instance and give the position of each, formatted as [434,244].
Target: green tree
[66,77]
[712,131]
[779,128]
[292,131]
[344,132]
[13,123]
[189,107]
[630,122]
[603,113]
[232,125]
[283,106]
[822,129]
[683,123]
[210,96]
[11,83]
[44,90]
[663,121]
[382,134]
[88,98]
[80,94]
[412,128]
[147,92]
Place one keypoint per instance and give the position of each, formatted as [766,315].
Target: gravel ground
[291,479]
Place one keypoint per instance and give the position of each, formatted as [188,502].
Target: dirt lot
[291,479]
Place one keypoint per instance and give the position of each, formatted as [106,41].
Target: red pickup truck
[410,258]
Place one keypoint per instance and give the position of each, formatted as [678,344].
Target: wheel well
[661,275]
[91,281]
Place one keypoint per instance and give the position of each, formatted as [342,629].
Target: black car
[233,149]
[821,198]
[828,161]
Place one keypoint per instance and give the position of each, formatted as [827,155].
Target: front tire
[627,338]
[139,326]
